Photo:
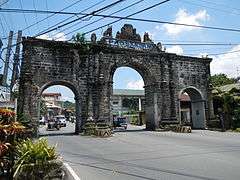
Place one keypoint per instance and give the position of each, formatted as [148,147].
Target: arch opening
[58,109]
[128,98]
[192,108]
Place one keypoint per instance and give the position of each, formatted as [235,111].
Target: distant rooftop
[51,94]
[185,97]
[229,87]
[128,92]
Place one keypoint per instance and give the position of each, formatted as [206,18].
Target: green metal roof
[128,92]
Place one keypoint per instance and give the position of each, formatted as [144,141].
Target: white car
[62,120]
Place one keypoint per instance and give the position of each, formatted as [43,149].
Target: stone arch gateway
[89,74]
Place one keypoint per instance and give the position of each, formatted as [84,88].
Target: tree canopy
[69,105]
[221,80]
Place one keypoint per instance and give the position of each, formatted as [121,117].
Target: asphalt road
[138,154]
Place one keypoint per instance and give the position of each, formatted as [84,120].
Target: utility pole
[16,61]
[6,66]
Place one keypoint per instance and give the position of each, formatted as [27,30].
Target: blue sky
[221,13]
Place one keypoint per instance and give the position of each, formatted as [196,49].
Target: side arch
[197,107]
[73,88]
[59,82]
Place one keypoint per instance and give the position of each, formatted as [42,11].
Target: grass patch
[237,130]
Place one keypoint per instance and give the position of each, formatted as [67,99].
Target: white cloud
[135,84]
[227,63]
[57,36]
[65,98]
[175,49]
[44,36]
[183,16]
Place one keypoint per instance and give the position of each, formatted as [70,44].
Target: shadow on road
[128,130]
[58,134]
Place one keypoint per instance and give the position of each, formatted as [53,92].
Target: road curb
[70,173]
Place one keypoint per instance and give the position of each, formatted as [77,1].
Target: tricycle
[53,124]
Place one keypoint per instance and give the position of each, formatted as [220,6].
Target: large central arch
[151,113]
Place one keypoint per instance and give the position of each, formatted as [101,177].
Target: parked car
[62,120]
[53,124]
[120,122]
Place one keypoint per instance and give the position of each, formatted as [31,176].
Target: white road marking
[74,175]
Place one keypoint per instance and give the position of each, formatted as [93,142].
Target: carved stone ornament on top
[128,33]
[146,37]
[108,32]
[93,38]
[129,39]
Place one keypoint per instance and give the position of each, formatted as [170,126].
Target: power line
[4,3]
[75,16]
[195,41]
[56,12]
[20,1]
[119,19]
[213,8]
[200,44]
[92,13]
[4,18]
[208,49]
[3,29]
[52,14]
[163,22]
[36,16]
[46,4]
[77,24]
[131,5]
[216,54]
[218,4]
[127,18]
[173,23]
[230,52]
[72,16]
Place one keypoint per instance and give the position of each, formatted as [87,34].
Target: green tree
[79,38]
[69,105]
[236,118]
[228,108]
[131,103]
[221,80]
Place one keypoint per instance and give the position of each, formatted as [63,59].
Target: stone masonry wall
[90,77]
